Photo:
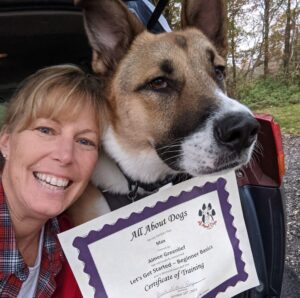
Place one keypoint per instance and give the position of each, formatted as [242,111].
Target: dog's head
[168,108]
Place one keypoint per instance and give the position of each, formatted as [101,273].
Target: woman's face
[48,165]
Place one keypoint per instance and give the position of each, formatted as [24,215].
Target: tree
[294,58]
[234,8]
[266,36]
[172,13]
[287,39]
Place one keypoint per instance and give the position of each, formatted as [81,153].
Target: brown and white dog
[167,105]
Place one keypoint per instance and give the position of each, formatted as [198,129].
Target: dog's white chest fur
[142,165]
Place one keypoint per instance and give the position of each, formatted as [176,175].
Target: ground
[291,287]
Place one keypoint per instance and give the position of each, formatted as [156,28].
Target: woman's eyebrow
[88,130]
[48,119]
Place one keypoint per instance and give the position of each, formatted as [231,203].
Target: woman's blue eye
[45,130]
[87,142]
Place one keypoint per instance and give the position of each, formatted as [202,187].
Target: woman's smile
[52,182]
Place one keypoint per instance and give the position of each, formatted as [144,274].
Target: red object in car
[267,165]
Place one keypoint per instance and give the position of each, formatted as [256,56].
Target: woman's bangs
[62,103]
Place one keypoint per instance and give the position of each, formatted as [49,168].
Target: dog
[169,117]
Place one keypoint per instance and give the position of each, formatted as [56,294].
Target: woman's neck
[29,247]
[27,231]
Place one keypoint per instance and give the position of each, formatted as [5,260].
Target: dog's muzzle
[225,142]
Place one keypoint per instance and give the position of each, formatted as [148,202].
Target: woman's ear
[5,144]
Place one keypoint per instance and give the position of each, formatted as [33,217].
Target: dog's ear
[210,17]
[110,28]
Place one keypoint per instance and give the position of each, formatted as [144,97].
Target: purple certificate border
[90,268]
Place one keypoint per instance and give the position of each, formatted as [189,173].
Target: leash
[156,14]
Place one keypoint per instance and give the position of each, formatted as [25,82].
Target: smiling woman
[49,142]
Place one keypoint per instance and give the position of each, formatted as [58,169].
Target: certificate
[186,241]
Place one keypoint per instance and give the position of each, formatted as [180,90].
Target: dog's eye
[220,72]
[161,85]
[158,84]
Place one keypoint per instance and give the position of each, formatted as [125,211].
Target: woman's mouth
[52,182]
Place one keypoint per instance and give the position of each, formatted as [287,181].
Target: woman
[49,142]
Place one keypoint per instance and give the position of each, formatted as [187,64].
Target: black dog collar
[152,187]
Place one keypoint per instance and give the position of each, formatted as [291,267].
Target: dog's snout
[236,131]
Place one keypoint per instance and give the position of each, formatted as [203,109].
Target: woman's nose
[64,151]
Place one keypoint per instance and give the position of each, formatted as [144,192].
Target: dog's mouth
[221,168]
[230,160]
[170,154]
[198,159]
[215,168]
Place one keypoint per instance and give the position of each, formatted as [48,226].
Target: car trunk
[32,36]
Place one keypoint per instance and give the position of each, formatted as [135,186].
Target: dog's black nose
[236,131]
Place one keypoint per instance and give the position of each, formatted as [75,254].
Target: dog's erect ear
[210,17]
[110,28]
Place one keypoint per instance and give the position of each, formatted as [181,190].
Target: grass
[269,93]
[276,97]
[287,116]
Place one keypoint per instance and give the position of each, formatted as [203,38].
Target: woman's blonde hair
[54,92]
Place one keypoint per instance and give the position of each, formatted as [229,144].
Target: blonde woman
[49,142]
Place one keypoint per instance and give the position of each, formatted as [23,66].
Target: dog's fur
[167,106]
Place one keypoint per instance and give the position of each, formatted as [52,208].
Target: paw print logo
[207,216]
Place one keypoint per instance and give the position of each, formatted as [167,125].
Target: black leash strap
[156,13]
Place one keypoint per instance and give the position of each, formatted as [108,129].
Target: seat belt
[156,14]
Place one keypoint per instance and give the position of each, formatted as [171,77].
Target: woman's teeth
[52,180]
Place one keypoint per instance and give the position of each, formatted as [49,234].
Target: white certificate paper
[186,241]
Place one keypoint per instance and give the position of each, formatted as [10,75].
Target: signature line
[180,289]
